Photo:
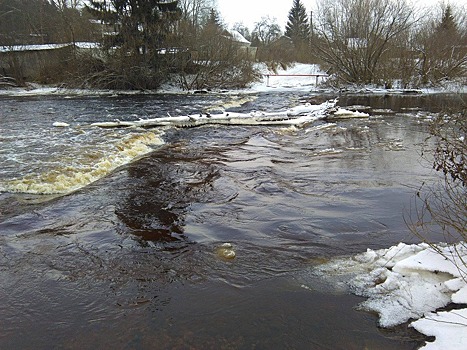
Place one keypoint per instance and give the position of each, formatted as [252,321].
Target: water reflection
[433,103]
[161,189]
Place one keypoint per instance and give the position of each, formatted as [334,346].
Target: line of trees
[378,42]
[381,41]
[40,21]
[144,41]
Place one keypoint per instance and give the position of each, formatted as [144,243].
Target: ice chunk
[342,113]
[460,297]
[444,259]
[403,281]
[402,297]
[60,124]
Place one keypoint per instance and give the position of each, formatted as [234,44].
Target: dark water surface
[131,261]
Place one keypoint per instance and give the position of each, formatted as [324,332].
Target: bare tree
[353,36]
[266,31]
[196,11]
[273,47]
[441,213]
[220,62]
[63,4]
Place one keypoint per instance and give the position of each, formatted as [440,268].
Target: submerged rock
[226,251]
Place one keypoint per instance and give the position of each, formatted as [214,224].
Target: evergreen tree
[27,21]
[139,24]
[448,24]
[446,35]
[138,29]
[214,21]
[298,27]
[445,54]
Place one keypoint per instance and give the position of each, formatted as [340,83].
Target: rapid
[113,237]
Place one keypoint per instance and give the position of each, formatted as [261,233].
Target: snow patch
[449,328]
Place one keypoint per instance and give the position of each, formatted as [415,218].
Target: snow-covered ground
[410,282]
[298,76]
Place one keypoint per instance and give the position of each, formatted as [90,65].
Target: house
[36,62]
[241,43]
[168,5]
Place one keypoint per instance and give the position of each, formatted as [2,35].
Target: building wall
[34,64]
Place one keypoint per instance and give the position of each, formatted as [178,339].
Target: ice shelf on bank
[410,282]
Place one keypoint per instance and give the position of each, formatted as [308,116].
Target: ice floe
[342,113]
[60,124]
[410,282]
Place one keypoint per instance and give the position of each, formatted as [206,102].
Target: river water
[111,238]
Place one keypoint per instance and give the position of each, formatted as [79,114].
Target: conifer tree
[214,21]
[448,22]
[139,24]
[298,27]
[446,56]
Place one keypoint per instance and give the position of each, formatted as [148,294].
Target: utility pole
[311,28]
[311,23]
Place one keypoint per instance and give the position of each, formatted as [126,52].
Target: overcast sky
[251,11]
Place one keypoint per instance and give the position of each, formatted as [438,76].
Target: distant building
[241,43]
[37,62]
[168,5]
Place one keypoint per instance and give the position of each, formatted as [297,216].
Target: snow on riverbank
[295,77]
[410,282]
[299,76]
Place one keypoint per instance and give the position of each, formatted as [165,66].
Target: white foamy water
[78,165]
[60,156]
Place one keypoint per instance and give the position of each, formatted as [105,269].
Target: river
[113,238]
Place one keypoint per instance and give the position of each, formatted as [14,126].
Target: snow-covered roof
[237,37]
[41,47]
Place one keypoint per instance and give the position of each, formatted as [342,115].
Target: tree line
[145,42]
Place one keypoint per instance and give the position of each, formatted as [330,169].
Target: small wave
[328,151]
[67,179]
[233,103]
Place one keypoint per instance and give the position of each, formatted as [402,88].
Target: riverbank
[296,77]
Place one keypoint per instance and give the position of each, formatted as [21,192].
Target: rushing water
[110,238]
